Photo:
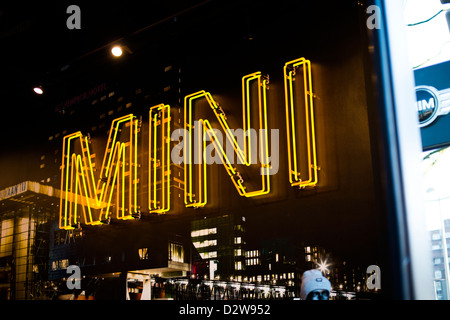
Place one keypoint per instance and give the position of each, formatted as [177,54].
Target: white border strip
[410,149]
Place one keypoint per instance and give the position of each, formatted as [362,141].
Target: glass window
[195,233]
[176,252]
[436,236]
[428,39]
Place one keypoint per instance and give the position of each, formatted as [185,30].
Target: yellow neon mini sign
[118,171]
[290,69]
[118,175]
[244,154]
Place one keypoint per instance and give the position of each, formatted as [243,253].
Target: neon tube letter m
[114,191]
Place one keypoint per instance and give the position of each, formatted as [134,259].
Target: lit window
[60,264]
[64,263]
[195,233]
[176,252]
[238,265]
[206,243]
[237,240]
[435,236]
[207,255]
[143,253]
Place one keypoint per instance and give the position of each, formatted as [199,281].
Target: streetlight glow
[116,51]
[38,90]
[323,266]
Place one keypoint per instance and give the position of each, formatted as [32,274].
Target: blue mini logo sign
[433,104]
[427,105]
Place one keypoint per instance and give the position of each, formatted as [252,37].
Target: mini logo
[427,105]
[318,279]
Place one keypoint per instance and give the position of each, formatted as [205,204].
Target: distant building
[26,212]
[440,261]
[348,279]
[277,262]
[220,241]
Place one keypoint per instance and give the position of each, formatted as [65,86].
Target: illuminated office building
[27,211]
[440,260]
[276,262]
[221,242]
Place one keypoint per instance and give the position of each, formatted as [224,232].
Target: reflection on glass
[437,208]
[427,32]
[429,44]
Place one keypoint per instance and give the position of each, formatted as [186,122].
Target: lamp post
[323,267]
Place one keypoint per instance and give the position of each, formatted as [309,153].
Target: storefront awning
[28,193]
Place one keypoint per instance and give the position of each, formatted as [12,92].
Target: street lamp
[38,90]
[323,267]
[116,51]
